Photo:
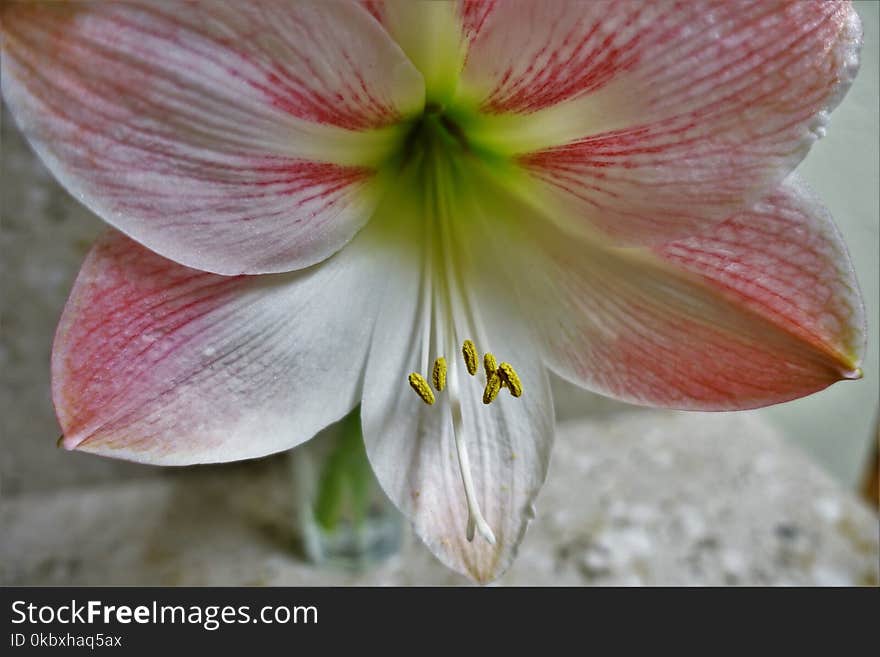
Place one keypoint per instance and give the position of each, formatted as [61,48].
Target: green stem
[346,477]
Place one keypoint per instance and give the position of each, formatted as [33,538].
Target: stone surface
[44,238]
[647,498]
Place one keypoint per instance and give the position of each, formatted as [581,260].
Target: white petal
[764,308]
[234,137]
[657,119]
[431,35]
[159,363]
[412,447]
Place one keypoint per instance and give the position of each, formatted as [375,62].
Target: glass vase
[342,517]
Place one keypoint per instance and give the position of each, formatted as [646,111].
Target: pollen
[489,364]
[469,351]
[417,382]
[438,374]
[493,386]
[510,379]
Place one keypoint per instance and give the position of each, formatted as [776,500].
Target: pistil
[435,153]
[476,521]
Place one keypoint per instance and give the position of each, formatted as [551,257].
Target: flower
[323,204]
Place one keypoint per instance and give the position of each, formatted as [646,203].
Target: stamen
[493,386]
[448,296]
[489,364]
[469,352]
[418,383]
[438,375]
[511,379]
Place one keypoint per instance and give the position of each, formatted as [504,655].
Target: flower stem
[345,477]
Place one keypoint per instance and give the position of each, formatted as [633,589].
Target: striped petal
[762,309]
[159,363]
[230,137]
[654,119]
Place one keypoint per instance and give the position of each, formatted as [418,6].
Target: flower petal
[159,363]
[230,137]
[653,119]
[430,33]
[785,260]
[763,309]
[411,445]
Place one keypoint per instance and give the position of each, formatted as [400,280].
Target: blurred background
[809,457]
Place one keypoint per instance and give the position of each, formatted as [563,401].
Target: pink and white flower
[313,200]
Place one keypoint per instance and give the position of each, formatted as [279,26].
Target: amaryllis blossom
[320,204]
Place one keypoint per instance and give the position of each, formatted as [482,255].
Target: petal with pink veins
[159,363]
[230,137]
[762,309]
[655,119]
[785,260]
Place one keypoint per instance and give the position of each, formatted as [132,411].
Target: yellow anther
[510,378]
[469,351]
[423,390]
[438,374]
[489,364]
[493,385]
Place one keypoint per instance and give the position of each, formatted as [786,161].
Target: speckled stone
[44,237]
[645,498]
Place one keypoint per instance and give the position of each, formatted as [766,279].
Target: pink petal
[784,260]
[231,137]
[763,309]
[665,115]
[159,363]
